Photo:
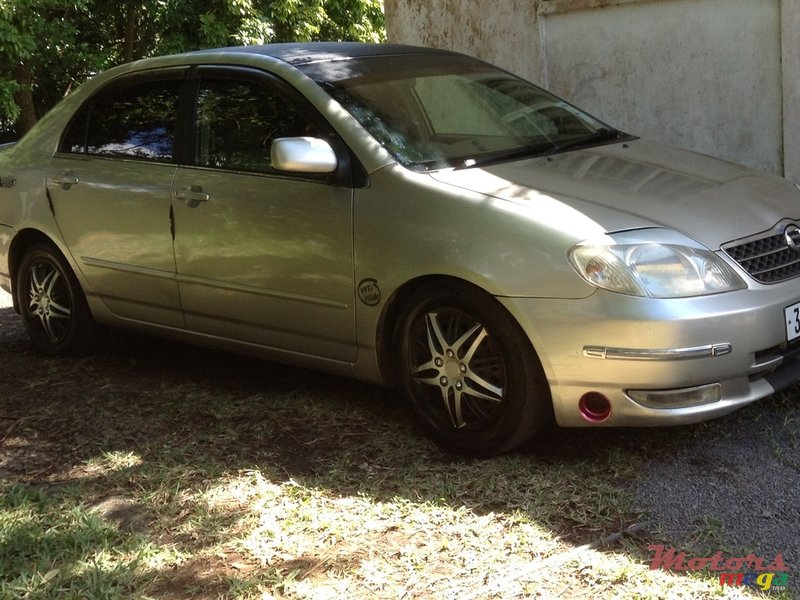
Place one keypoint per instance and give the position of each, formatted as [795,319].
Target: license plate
[792,318]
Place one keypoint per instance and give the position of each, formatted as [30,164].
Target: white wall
[718,76]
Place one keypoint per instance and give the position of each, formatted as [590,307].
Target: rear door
[110,184]
[262,257]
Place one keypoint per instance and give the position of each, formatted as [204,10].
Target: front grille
[768,259]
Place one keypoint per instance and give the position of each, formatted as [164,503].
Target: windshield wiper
[601,136]
[516,153]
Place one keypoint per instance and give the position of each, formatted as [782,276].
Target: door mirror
[303,155]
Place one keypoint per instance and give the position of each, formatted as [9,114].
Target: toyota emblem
[792,236]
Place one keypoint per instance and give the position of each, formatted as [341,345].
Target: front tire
[52,304]
[473,379]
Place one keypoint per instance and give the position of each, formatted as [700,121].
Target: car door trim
[188,279]
[104,264]
[115,266]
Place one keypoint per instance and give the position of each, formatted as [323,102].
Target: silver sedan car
[411,217]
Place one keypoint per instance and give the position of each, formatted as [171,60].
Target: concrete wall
[790,45]
[718,76]
[503,32]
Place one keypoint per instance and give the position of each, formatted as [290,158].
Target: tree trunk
[24,98]
[130,24]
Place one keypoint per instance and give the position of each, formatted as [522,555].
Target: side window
[236,122]
[136,121]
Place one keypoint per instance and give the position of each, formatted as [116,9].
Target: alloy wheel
[52,304]
[49,302]
[460,368]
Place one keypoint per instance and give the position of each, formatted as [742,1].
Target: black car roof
[296,53]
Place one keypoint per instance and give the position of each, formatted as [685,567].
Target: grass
[159,471]
[52,547]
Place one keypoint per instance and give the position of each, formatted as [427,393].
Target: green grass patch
[163,472]
[53,547]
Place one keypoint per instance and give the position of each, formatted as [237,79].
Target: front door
[262,257]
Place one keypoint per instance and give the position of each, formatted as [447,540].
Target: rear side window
[133,121]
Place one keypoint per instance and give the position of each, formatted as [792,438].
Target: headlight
[655,263]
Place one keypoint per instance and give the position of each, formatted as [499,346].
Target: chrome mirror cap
[303,155]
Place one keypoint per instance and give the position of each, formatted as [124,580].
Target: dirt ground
[132,392]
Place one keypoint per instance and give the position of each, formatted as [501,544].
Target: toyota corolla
[411,217]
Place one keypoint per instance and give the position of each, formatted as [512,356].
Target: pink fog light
[594,407]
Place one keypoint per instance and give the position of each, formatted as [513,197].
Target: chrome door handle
[66,179]
[192,195]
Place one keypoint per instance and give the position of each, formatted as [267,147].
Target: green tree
[47,47]
[37,36]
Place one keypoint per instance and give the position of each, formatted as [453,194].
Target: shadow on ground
[208,415]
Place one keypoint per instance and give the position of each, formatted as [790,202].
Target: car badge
[792,236]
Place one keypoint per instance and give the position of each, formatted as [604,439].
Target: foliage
[47,47]
[40,37]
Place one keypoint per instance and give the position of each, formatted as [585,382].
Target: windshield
[440,111]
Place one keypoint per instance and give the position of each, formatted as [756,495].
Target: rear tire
[53,306]
[473,379]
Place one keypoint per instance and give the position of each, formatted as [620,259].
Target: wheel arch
[506,378]
[396,307]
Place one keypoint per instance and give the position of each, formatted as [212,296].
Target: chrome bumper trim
[666,354]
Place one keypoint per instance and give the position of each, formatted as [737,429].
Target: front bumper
[623,347]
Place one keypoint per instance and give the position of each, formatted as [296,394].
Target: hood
[641,184]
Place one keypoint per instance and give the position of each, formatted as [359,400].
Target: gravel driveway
[735,486]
